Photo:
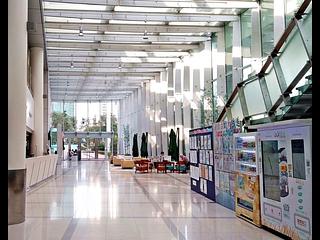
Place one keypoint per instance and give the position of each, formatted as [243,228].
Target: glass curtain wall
[267,29]
[246,33]
[228,28]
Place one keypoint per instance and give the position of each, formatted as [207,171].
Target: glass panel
[298,160]
[267,26]
[236,110]
[246,32]
[293,57]
[228,46]
[229,85]
[291,6]
[270,168]
[273,86]
[306,29]
[254,98]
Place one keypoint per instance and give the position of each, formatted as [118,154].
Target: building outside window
[267,28]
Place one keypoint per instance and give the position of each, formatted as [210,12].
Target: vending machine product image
[285,163]
[247,187]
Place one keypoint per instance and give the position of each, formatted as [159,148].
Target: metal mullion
[281,80]
[243,102]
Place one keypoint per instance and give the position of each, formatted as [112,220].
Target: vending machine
[247,187]
[285,164]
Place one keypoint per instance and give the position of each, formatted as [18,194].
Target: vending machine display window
[270,168]
[298,159]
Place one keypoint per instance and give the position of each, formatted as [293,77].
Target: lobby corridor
[94,200]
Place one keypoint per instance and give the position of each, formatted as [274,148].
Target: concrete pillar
[196,98]
[178,75]
[187,96]
[37,86]
[157,113]
[236,54]
[163,111]
[17,85]
[148,116]
[170,103]
[221,72]
[152,133]
[45,112]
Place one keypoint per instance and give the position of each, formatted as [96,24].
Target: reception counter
[40,168]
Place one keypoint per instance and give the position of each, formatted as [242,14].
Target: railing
[277,78]
[40,168]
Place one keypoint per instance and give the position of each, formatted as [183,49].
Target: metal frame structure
[273,59]
[102,50]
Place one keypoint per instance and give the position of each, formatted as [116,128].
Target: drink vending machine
[284,165]
[247,187]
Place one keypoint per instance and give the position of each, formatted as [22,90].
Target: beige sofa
[127,163]
[117,160]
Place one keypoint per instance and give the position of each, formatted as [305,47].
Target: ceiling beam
[115,59]
[125,38]
[99,78]
[133,28]
[89,74]
[110,53]
[166,4]
[124,47]
[106,65]
[99,70]
[138,16]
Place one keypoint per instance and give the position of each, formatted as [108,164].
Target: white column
[221,73]
[17,86]
[178,104]
[148,116]
[163,111]
[256,52]
[152,118]
[37,87]
[196,98]
[45,112]
[236,54]
[187,96]
[170,101]
[157,115]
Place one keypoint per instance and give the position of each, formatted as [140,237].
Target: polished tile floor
[93,200]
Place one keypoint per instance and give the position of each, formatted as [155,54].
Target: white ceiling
[124,42]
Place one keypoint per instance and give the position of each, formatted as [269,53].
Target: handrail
[274,52]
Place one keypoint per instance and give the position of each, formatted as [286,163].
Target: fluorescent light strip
[72,20]
[193,23]
[56,30]
[75,6]
[144,9]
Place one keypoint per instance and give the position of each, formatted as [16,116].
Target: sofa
[117,160]
[127,163]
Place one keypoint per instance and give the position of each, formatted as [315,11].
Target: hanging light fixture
[81,31]
[71,65]
[119,66]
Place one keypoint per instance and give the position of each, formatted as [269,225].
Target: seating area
[149,165]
